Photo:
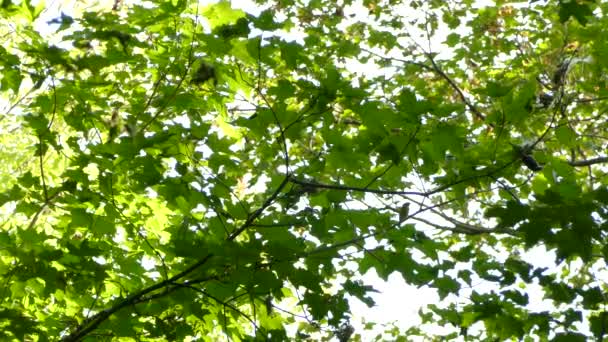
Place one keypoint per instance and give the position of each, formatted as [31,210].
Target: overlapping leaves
[191,171]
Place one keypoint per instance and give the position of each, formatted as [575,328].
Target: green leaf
[569,337]
[80,218]
[37,122]
[28,180]
[566,136]
[498,89]
[389,152]
[598,324]
[517,297]
[445,286]
[580,11]
[222,13]
[11,79]
[290,53]
[265,21]
[102,225]
[453,39]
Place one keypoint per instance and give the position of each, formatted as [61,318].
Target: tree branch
[469,228]
[226,304]
[454,86]
[404,61]
[397,192]
[456,229]
[91,324]
[46,194]
[586,100]
[435,68]
[162,108]
[381,174]
[258,212]
[281,138]
[587,162]
[353,188]
[279,224]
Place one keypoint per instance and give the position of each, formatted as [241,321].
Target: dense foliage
[175,171]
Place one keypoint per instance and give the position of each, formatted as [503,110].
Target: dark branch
[258,212]
[177,87]
[91,324]
[279,224]
[226,304]
[467,230]
[353,188]
[381,174]
[591,99]
[46,193]
[404,61]
[397,192]
[282,139]
[454,86]
[587,162]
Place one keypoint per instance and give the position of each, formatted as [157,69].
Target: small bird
[404,212]
[530,162]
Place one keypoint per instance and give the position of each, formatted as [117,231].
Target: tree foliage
[176,171]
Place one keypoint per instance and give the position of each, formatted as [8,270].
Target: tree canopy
[180,171]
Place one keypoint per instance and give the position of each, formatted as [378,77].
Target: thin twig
[381,174]
[404,61]
[281,132]
[279,224]
[454,86]
[46,194]
[226,304]
[258,212]
[179,83]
